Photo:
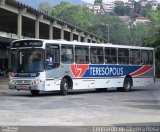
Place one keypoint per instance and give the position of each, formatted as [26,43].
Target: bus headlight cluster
[12,82]
[37,81]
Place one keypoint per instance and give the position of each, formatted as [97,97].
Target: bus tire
[64,87]
[35,92]
[126,85]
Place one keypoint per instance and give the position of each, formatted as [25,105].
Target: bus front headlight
[37,81]
[12,82]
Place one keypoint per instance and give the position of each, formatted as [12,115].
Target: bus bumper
[39,86]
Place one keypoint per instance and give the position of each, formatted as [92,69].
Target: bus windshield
[27,60]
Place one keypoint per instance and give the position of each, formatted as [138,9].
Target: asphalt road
[140,107]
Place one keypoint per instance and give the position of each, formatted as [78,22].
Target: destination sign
[27,43]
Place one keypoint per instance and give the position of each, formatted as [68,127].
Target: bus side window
[123,56]
[110,55]
[100,55]
[81,54]
[67,54]
[144,57]
[134,56]
[96,55]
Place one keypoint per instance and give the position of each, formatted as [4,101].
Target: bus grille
[24,81]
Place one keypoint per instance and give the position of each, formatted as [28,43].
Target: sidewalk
[4,80]
[3,84]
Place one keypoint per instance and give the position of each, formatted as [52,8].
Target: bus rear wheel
[126,85]
[64,87]
[35,92]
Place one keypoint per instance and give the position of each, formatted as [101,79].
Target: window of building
[123,56]
[81,54]
[110,55]
[67,54]
[134,56]
[96,55]
[144,57]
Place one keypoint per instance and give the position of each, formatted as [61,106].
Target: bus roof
[88,44]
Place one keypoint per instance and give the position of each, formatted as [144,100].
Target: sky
[92,1]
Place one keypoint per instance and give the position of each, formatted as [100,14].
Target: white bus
[48,65]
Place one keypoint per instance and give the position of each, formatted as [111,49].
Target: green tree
[154,41]
[138,33]
[158,8]
[58,9]
[75,15]
[98,2]
[137,7]
[155,17]
[122,10]
[118,31]
[45,7]
[145,10]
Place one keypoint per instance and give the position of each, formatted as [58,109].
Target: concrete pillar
[79,38]
[37,29]
[86,38]
[81,34]
[19,26]
[93,40]
[62,31]
[98,41]
[19,22]
[71,34]
[39,17]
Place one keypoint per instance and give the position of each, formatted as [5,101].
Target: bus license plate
[23,87]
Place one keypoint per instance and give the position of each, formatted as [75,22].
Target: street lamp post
[108,32]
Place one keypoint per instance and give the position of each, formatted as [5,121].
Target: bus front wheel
[35,92]
[64,87]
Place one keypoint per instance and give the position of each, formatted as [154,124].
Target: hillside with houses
[131,12]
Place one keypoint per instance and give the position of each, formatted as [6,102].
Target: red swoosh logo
[141,70]
[78,70]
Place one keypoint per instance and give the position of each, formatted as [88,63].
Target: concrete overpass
[21,21]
